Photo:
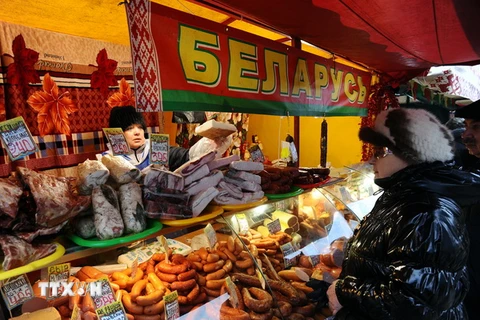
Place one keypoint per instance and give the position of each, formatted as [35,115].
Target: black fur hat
[124,117]
[470,111]
[414,135]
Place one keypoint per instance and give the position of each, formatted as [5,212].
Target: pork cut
[18,252]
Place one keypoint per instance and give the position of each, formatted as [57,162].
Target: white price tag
[211,235]
[242,223]
[274,226]
[16,291]
[172,309]
[288,249]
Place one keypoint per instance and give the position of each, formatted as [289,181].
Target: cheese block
[49,313]
[214,130]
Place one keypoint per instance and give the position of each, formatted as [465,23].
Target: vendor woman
[134,127]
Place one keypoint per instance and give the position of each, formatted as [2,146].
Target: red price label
[17,291]
[22,146]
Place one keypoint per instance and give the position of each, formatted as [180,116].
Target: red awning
[401,37]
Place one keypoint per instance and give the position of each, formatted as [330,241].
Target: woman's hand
[333,302]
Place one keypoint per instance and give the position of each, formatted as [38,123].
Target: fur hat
[470,111]
[124,117]
[414,135]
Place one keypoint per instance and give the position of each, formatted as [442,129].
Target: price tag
[172,309]
[134,268]
[261,278]
[159,146]
[256,154]
[163,242]
[17,138]
[274,226]
[314,260]
[117,140]
[57,274]
[107,295]
[287,249]
[211,235]
[16,291]
[233,293]
[76,313]
[242,223]
[112,311]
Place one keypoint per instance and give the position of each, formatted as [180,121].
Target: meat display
[18,252]
[106,211]
[157,179]
[131,204]
[55,198]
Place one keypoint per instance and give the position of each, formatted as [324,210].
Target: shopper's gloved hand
[319,293]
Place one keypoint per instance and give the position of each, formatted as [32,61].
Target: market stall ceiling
[403,36]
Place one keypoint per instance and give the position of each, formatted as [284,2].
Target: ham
[211,180]
[18,252]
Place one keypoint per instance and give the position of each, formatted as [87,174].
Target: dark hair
[124,117]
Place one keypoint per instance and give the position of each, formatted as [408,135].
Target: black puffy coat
[408,257]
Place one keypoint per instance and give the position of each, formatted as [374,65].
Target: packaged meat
[244,184]
[213,129]
[211,180]
[131,204]
[55,197]
[11,192]
[232,173]
[222,162]
[231,189]
[157,179]
[198,174]
[195,163]
[167,204]
[120,169]
[106,210]
[18,252]
[85,227]
[247,166]
[91,173]
[201,200]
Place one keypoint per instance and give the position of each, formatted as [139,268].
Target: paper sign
[301,274]
[288,249]
[242,223]
[256,154]
[112,311]
[16,291]
[261,278]
[172,309]
[117,140]
[274,226]
[134,268]
[107,297]
[163,242]
[76,313]
[211,235]
[233,293]
[58,273]
[159,146]
[17,138]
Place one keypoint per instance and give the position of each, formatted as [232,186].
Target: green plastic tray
[294,191]
[152,227]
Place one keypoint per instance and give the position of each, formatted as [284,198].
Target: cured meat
[244,184]
[201,200]
[247,166]
[30,236]
[211,180]
[120,169]
[91,173]
[195,163]
[133,214]
[222,162]
[106,212]
[18,252]
[231,189]
[11,193]
[198,174]
[55,197]
[157,179]
[85,227]
[244,175]
[225,198]
[168,204]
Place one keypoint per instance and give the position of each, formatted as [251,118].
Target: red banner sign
[183,62]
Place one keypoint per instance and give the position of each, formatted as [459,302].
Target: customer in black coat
[407,259]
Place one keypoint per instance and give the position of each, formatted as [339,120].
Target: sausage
[306,310]
[148,317]
[230,244]
[211,292]
[75,299]
[203,253]
[221,254]
[284,309]
[144,264]
[202,296]
[296,316]
[167,277]
[193,257]
[183,285]
[262,303]
[190,274]
[138,277]
[215,284]
[212,257]
[149,288]
[89,315]
[157,257]
[216,275]
[228,266]
[241,305]
[261,316]
[228,313]
[263,243]
[238,245]
[150,298]
[155,281]
[244,264]
[130,317]
[201,279]
[87,303]
[122,284]
[150,268]
[301,286]
[131,306]
[164,267]
[229,254]
[137,289]
[154,308]
[213,266]
[117,275]
[192,295]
